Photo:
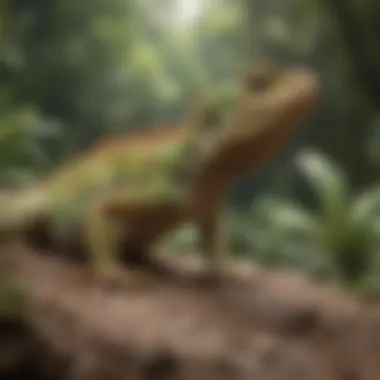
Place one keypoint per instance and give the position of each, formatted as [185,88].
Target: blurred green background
[73,72]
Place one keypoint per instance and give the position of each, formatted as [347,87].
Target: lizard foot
[118,278]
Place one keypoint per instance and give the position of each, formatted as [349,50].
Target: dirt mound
[256,324]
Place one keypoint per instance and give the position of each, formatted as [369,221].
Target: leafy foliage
[74,71]
[345,229]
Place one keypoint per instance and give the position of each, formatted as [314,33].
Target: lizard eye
[258,83]
[259,78]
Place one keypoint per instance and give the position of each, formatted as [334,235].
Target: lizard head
[272,98]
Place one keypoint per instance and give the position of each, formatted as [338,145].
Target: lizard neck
[231,160]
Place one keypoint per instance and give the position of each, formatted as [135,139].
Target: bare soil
[255,324]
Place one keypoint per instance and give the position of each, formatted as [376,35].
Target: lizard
[272,102]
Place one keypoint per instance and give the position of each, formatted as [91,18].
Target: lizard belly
[151,224]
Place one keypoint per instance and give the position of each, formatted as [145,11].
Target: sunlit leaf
[328,181]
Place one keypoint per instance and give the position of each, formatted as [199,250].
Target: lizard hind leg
[101,235]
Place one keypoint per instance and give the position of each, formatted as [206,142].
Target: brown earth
[256,324]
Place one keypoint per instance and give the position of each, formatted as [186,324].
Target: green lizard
[272,101]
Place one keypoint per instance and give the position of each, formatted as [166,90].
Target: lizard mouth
[303,90]
[292,100]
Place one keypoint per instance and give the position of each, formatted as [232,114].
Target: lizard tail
[20,211]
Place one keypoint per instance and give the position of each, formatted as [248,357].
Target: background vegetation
[72,72]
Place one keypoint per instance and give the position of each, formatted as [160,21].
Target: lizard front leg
[213,244]
[102,231]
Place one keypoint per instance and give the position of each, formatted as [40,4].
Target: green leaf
[329,182]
